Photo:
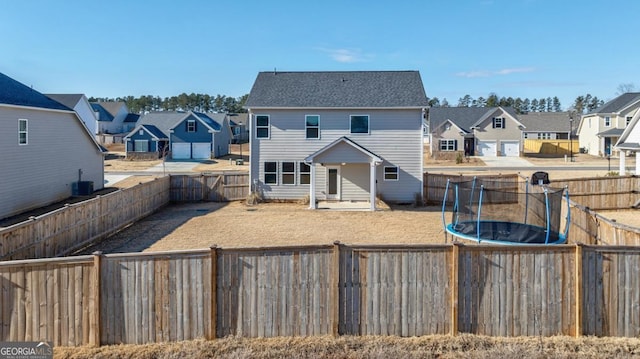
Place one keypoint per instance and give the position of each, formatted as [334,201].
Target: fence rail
[80,224]
[322,290]
[216,187]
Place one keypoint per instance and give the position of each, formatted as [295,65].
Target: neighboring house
[111,116]
[239,128]
[474,131]
[343,136]
[129,122]
[190,135]
[547,125]
[601,129]
[146,142]
[80,104]
[46,149]
[629,142]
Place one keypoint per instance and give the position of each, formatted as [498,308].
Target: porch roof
[343,150]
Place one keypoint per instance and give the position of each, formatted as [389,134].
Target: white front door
[333,183]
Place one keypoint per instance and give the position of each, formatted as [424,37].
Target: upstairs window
[628,121]
[391,173]
[359,123]
[191,125]
[305,173]
[23,137]
[607,121]
[271,173]
[312,126]
[262,126]
[498,122]
[288,173]
[544,136]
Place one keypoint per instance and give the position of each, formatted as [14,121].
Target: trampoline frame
[450,228]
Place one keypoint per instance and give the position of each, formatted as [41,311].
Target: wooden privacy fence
[598,193]
[322,290]
[589,227]
[216,187]
[551,147]
[435,184]
[77,225]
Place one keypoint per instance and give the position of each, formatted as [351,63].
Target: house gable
[191,128]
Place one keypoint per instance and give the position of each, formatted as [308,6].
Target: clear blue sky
[518,48]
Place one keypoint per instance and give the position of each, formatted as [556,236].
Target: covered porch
[343,172]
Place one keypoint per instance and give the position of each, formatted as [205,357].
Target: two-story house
[629,143]
[341,136]
[474,131]
[80,104]
[601,129]
[111,116]
[46,150]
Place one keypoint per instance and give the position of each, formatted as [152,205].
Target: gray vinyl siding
[42,172]
[395,136]
[355,182]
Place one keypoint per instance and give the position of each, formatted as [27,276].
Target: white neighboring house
[80,104]
[601,129]
[111,116]
[629,143]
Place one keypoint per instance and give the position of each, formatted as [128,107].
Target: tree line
[183,102]
[582,104]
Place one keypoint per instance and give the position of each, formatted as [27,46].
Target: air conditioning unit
[82,188]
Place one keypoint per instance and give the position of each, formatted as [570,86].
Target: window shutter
[195,126]
[455,145]
[504,122]
[494,122]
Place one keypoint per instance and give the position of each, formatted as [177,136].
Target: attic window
[191,126]
[498,122]
[141,132]
[628,121]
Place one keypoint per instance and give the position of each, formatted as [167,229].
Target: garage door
[201,151]
[510,148]
[487,148]
[181,151]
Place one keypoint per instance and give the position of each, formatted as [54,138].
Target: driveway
[505,161]
[174,166]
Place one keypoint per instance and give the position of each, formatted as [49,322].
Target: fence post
[335,289]
[454,288]
[214,292]
[94,327]
[578,290]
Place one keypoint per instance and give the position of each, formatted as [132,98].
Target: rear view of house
[46,150]
[341,136]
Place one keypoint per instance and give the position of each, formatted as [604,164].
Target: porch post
[623,159]
[637,163]
[312,187]
[372,186]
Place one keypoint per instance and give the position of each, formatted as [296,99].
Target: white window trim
[140,141]
[306,127]
[268,127]
[282,173]
[26,132]
[397,173]
[607,121]
[264,170]
[449,142]
[300,174]
[189,126]
[500,120]
[368,125]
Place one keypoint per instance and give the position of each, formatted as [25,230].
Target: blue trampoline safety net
[504,212]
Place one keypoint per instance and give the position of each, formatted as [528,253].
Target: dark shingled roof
[618,103]
[463,117]
[132,117]
[69,100]
[155,131]
[614,132]
[342,89]
[165,120]
[15,93]
[547,121]
[103,114]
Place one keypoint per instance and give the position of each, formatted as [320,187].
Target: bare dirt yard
[235,224]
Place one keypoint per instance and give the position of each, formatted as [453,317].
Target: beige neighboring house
[80,104]
[475,131]
[629,143]
[601,129]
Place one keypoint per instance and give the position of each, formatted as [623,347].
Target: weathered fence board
[611,291]
[435,185]
[600,193]
[215,187]
[77,225]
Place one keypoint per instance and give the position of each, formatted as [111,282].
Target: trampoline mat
[504,232]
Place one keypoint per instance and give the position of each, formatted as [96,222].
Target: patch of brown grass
[440,346]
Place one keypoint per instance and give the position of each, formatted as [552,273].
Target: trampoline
[505,212]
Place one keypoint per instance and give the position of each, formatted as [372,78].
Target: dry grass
[235,224]
[436,346]
[630,217]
